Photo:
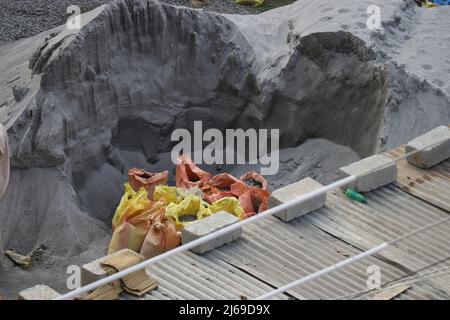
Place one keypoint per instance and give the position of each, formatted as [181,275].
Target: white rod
[207,238]
[323,272]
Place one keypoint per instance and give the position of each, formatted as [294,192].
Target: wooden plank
[390,293]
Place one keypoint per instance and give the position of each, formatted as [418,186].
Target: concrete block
[293,191]
[371,173]
[39,292]
[434,148]
[93,271]
[210,224]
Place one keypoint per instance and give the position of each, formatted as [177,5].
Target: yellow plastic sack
[228,204]
[174,194]
[131,204]
[167,194]
[127,236]
[255,3]
[190,206]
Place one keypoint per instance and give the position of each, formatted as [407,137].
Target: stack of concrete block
[429,149]
[295,190]
[208,225]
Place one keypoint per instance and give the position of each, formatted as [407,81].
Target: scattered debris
[198,3]
[137,283]
[20,260]
[255,3]
[11,81]
[390,293]
[435,3]
[19,92]
[356,196]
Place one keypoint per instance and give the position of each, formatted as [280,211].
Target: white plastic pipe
[207,238]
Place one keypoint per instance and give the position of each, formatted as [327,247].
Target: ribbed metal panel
[389,214]
[279,253]
[433,287]
[430,185]
[430,284]
[190,276]
[272,253]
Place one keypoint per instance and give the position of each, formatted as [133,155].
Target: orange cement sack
[188,175]
[221,186]
[127,236]
[162,236]
[139,178]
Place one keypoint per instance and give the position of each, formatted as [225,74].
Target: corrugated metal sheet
[434,286]
[272,253]
[430,185]
[190,276]
[279,253]
[430,284]
[389,214]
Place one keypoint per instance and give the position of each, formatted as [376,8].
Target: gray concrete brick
[93,271]
[371,173]
[434,148]
[38,292]
[293,191]
[210,224]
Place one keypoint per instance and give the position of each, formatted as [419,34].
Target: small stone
[19,92]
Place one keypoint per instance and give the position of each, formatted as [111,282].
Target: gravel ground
[25,18]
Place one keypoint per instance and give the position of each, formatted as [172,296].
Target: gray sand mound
[108,97]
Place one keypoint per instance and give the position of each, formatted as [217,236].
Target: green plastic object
[356,196]
[255,3]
